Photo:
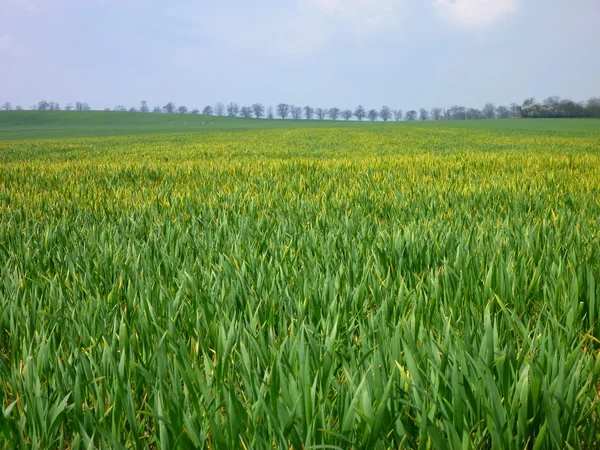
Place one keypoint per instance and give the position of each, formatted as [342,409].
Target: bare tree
[195,111]
[457,112]
[259,110]
[82,106]
[385,113]
[398,114]
[7,106]
[321,113]
[423,114]
[552,100]
[182,110]
[334,113]
[296,112]
[144,106]
[18,108]
[53,106]
[283,110]
[207,111]
[360,113]
[436,113]
[309,112]
[347,114]
[503,112]
[120,108]
[43,105]
[529,101]
[157,109]
[246,112]
[373,115]
[270,113]
[169,108]
[489,110]
[233,109]
[474,114]
[219,109]
[514,110]
[411,115]
[69,107]
[132,109]
[592,107]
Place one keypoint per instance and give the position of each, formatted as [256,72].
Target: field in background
[15,125]
[380,286]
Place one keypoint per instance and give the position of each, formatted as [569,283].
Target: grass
[16,125]
[375,287]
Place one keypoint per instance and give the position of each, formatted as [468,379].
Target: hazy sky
[403,53]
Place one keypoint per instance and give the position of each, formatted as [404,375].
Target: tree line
[551,107]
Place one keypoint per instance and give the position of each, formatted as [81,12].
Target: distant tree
[321,113]
[503,112]
[283,110]
[233,109]
[54,106]
[296,112]
[69,107]
[33,107]
[373,115]
[457,112]
[246,112]
[42,106]
[157,109]
[515,110]
[489,110]
[219,109]
[423,114]
[592,107]
[195,111]
[132,109]
[259,110]
[18,108]
[106,109]
[120,108]
[360,113]
[398,114]
[385,113]
[169,108]
[334,113]
[144,106]
[411,115]
[182,110]
[474,114]
[270,113]
[552,100]
[207,111]
[347,114]
[309,112]
[529,101]
[82,106]
[7,106]
[436,113]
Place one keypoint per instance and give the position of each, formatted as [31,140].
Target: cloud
[475,13]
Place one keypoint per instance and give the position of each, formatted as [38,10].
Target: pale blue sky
[404,53]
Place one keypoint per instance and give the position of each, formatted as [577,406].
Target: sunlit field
[375,287]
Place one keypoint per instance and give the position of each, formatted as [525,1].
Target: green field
[364,286]
[17,125]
